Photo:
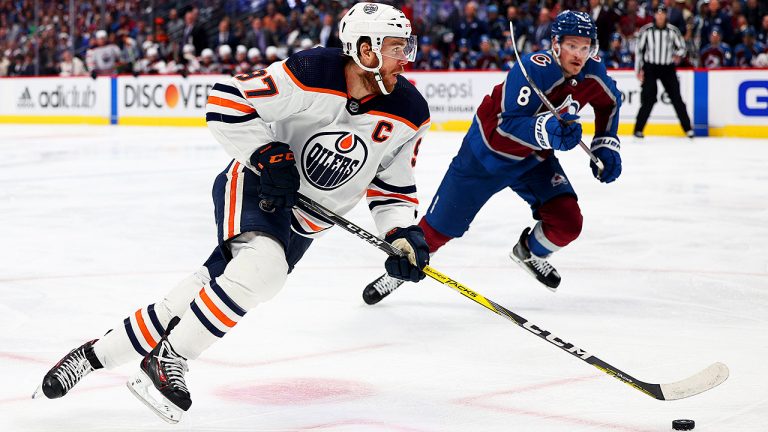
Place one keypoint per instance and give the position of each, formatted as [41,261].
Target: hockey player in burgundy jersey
[334,125]
[512,144]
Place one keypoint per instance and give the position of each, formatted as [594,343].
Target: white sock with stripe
[142,330]
[255,274]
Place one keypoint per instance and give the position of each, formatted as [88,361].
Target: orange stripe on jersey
[429,119]
[312,89]
[314,227]
[215,310]
[232,200]
[215,100]
[144,329]
[374,193]
[394,117]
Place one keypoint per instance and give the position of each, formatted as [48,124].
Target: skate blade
[530,272]
[141,387]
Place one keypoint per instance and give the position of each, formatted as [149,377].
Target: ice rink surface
[669,275]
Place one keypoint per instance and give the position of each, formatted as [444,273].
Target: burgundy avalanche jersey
[507,118]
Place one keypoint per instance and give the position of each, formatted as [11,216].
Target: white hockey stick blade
[141,387]
[709,378]
[38,392]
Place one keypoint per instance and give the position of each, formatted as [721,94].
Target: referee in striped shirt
[660,47]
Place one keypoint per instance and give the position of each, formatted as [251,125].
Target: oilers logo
[330,159]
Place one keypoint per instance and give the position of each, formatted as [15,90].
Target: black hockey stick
[548,104]
[708,378]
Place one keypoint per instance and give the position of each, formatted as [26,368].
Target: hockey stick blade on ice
[547,103]
[707,379]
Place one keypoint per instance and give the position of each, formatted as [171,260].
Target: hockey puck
[683,424]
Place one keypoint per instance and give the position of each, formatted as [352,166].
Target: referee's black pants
[668,77]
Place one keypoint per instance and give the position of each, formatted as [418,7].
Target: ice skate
[380,288]
[68,371]
[538,267]
[160,381]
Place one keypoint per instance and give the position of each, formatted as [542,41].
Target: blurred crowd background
[96,37]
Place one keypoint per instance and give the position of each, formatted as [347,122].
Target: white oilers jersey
[104,58]
[345,149]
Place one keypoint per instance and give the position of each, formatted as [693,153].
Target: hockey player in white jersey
[334,125]
[103,57]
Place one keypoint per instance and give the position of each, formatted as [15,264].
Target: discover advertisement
[170,99]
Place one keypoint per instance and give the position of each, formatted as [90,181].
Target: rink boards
[732,102]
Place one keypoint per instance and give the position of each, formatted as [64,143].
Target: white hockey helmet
[376,21]
[224,50]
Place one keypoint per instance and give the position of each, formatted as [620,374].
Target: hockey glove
[279,175]
[411,241]
[607,150]
[551,133]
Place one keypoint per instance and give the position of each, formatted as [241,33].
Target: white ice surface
[669,275]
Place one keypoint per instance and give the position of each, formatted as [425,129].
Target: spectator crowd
[45,37]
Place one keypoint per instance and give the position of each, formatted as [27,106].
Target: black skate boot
[380,288]
[68,371]
[537,267]
[163,370]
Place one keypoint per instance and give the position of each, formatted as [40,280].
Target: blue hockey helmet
[571,23]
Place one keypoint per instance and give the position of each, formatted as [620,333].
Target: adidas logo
[25,101]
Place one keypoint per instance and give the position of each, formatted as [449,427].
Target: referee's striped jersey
[656,45]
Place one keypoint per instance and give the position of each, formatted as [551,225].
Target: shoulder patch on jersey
[405,102]
[541,59]
[320,68]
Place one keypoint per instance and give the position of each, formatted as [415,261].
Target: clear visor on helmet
[579,46]
[403,49]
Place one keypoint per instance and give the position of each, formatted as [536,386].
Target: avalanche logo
[541,59]
[558,179]
[330,159]
[569,105]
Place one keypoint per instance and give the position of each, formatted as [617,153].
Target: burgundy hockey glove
[279,176]
[411,241]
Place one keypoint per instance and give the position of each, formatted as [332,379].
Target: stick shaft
[653,390]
